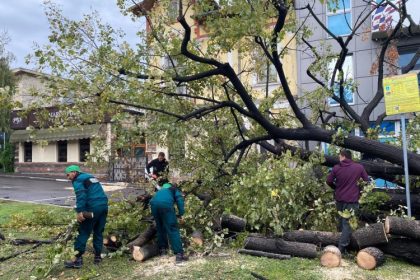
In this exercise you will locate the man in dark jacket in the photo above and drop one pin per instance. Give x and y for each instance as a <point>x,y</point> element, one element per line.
<point>90,198</point>
<point>159,166</point>
<point>163,211</point>
<point>344,179</point>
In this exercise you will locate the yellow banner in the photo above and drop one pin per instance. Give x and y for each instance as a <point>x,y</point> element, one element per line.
<point>401,94</point>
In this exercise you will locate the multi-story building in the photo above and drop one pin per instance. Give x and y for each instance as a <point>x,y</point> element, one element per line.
<point>260,77</point>
<point>361,62</point>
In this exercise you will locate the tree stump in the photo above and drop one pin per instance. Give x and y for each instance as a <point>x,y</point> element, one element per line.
<point>264,254</point>
<point>320,238</point>
<point>146,252</point>
<point>370,258</point>
<point>144,237</point>
<point>331,256</point>
<point>370,236</point>
<point>400,226</point>
<point>280,246</point>
<point>197,238</point>
<point>233,223</point>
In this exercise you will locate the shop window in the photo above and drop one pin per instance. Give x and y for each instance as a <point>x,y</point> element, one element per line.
<point>27,152</point>
<point>339,17</point>
<point>62,151</point>
<point>84,149</point>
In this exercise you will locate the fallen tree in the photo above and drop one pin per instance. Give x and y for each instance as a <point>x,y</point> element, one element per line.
<point>403,248</point>
<point>280,246</point>
<point>400,226</point>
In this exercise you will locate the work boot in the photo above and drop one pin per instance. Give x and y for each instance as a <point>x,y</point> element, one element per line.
<point>97,259</point>
<point>76,262</point>
<point>180,258</point>
<point>163,252</point>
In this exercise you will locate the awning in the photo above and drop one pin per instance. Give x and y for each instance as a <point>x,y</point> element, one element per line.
<point>56,134</point>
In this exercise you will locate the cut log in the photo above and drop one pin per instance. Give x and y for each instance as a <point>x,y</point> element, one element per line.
<point>371,235</point>
<point>233,223</point>
<point>400,226</point>
<point>145,252</point>
<point>370,258</point>
<point>331,256</point>
<point>143,238</point>
<point>264,254</point>
<point>204,197</point>
<point>197,238</point>
<point>112,242</point>
<point>280,246</point>
<point>320,238</point>
<point>403,248</point>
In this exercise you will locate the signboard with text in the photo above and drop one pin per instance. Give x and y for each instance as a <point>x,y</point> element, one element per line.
<point>402,94</point>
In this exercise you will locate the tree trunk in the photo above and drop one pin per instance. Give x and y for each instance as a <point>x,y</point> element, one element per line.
<point>145,252</point>
<point>143,238</point>
<point>233,223</point>
<point>197,238</point>
<point>370,236</point>
<point>264,254</point>
<point>400,199</point>
<point>403,248</point>
<point>279,246</point>
<point>400,226</point>
<point>331,256</point>
<point>319,238</point>
<point>370,258</point>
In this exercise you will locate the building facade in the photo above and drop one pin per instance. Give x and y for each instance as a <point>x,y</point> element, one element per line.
<point>43,150</point>
<point>360,64</point>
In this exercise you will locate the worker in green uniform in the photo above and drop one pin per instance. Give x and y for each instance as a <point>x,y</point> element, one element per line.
<point>90,197</point>
<point>163,211</point>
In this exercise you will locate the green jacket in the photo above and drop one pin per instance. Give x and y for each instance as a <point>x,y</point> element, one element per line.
<point>89,193</point>
<point>168,196</point>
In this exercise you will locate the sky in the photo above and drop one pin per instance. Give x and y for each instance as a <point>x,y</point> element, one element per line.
<point>26,23</point>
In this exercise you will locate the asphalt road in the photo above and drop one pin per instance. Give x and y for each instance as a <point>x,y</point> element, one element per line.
<point>36,190</point>
<point>50,191</point>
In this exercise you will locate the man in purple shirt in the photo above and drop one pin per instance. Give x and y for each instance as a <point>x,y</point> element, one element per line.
<point>344,179</point>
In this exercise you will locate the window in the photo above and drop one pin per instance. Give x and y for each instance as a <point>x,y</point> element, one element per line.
<point>62,151</point>
<point>406,54</point>
<point>84,149</point>
<point>27,152</point>
<point>339,17</point>
<point>173,10</point>
<point>262,74</point>
<point>348,80</point>
<point>176,65</point>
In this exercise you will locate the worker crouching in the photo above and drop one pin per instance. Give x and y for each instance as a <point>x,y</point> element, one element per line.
<point>163,211</point>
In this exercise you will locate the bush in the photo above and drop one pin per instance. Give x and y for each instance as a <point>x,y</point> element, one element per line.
<point>7,158</point>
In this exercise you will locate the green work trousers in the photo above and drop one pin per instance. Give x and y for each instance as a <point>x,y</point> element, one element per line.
<point>167,227</point>
<point>97,225</point>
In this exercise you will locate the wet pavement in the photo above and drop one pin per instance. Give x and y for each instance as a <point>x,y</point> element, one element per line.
<point>51,191</point>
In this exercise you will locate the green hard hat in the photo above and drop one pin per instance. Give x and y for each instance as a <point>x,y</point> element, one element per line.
<point>72,168</point>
